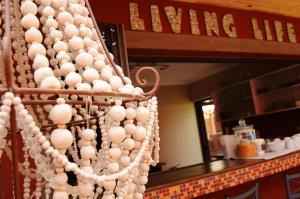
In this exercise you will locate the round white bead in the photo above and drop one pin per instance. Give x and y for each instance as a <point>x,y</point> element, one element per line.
<point>65,17</point>
<point>61,114</point>
<point>87,152</point>
<point>84,59</point>
<point>139,133</point>
<point>48,11</point>
<point>128,144</point>
<point>88,134</point>
<point>144,167</point>
<point>115,82</point>
<point>46,2</point>
<point>60,195</point>
<point>40,61</point>
<point>42,73</point>
<point>71,30</point>
<point>141,188</point>
<point>113,167</point>
<point>35,49</point>
<point>129,128</point>
<point>138,196</point>
<point>66,68</point>
<point>78,20</point>
<point>106,73</point>
<point>130,113</point>
<point>124,177</point>
<point>75,8</point>
<point>143,180</point>
<point>60,179</point>
<point>115,153</point>
<point>83,87</point>
<point>109,185</point>
<point>85,32</point>
<point>61,138</point>
<point>56,34</point>
<point>142,114</point>
<point>116,134</point>
<point>50,82</point>
<point>73,79</point>
<point>28,7</point>
<point>9,95</point>
<point>94,52</point>
<point>101,86</point>
<point>51,23</point>
<point>60,46</point>
<point>33,35</point>
<point>59,4</point>
<point>117,113</point>
<point>76,43</point>
<point>90,75</point>
<point>30,20</point>
<point>62,56</point>
<point>138,91</point>
<point>99,64</point>
<point>125,161</point>
<point>129,89</point>
<point>85,189</point>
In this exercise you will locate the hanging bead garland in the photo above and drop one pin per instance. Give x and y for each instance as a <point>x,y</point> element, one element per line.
<point>108,153</point>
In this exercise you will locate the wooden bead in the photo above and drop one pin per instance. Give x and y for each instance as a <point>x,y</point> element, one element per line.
<point>28,7</point>
<point>72,79</point>
<point>42,73</point>
<point>116,134</point>
<point>84,59</point>
<point>90,75</point>
<point>35,49</point>
<point>40,61</point>
<point>30,20</point>
<point>65,17</point>
<point>66,68</point>
<point>117,113</point>
<point>33,35</point>
<point>139,133</point>
<point>50,82</point>
<point>61,138</point>
<point>61,114</point>
<point>76,43</point>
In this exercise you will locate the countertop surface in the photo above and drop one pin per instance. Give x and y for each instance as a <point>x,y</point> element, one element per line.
<point>202,179</point>
<point>203,170</point>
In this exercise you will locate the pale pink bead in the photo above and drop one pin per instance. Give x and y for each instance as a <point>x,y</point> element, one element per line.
<point>61,138</point>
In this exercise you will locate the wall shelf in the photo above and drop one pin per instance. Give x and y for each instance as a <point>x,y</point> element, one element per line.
<point>271,93</point>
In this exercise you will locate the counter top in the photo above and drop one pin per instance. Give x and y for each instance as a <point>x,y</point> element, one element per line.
<point>186,174</point>
<point>199,180</point>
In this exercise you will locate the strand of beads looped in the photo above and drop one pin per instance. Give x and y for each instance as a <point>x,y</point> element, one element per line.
<point>56,46</point>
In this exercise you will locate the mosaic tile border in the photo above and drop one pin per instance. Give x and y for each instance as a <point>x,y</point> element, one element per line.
<point>220,181</point>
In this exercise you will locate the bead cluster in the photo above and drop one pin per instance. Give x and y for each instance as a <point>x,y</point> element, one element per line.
<point>61,139</point>
<point>56,46</point>
<point>4,120</point>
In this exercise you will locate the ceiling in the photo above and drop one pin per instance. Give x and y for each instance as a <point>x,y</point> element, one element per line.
<point>184,73</point>
<point>282,7</point>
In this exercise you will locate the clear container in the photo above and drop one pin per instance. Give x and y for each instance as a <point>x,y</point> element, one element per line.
<point>244,132</point>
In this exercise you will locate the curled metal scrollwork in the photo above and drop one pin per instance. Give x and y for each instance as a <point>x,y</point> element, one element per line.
<point>143,82</point>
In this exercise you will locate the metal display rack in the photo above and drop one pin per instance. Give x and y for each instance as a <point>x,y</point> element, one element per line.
<point>11,87</point>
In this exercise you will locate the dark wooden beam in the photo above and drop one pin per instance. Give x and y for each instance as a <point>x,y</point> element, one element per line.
<point>162,45</point>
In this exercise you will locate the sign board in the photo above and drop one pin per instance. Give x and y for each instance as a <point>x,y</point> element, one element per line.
<point>196,19</point>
